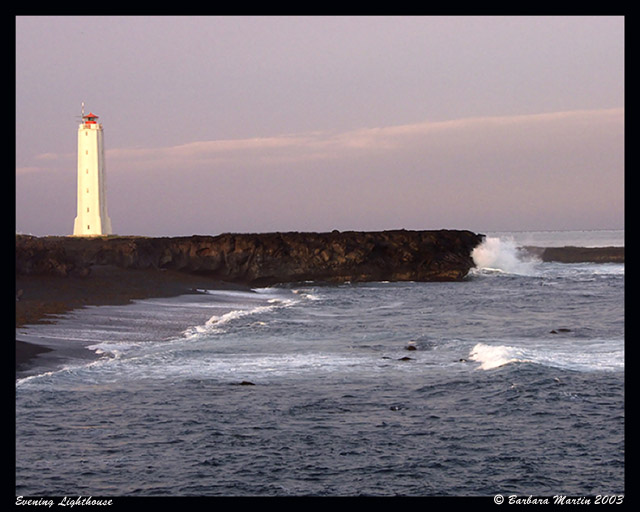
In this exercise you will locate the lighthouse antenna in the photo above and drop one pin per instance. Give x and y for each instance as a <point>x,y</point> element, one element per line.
<point>81,115</point>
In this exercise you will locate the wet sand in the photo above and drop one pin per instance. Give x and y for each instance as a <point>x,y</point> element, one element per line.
<point>40,298</point>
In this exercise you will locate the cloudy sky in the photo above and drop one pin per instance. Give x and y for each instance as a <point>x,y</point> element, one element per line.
<point>253,124</point>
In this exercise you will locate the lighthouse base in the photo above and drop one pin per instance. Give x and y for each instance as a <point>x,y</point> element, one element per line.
<point>91,227</point>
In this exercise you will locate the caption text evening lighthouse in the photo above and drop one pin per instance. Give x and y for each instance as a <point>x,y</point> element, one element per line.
<point>92,217</point>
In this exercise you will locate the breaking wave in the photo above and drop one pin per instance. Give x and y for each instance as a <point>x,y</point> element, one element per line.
<point>503,255</point>
<point>601,355</point>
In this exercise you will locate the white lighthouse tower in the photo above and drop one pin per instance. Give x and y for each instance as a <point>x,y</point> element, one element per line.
<point>92,218</point>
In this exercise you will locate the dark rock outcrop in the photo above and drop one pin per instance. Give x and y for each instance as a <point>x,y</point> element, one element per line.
<point>584,254</point>
<point>263,259</point>
<point>41,256</point>
<point>571,254</point>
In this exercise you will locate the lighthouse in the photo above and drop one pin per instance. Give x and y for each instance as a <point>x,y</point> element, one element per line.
<point>92,217</point>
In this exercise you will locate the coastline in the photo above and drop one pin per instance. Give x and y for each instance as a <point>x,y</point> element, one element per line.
<point>39,298</point>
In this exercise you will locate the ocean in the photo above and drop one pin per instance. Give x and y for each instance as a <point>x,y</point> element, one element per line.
<point>511,382</point>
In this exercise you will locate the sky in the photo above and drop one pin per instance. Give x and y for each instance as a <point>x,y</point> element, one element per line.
<point>294,123</point>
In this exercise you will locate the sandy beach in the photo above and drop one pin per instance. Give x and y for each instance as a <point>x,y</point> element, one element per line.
<point>40,298</point>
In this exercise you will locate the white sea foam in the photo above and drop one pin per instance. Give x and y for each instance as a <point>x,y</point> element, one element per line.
<point>494,356</point>
<point>217,322</point>
<point>115,348</point>
<point>233,315</point>
<point>502,255</point>
<point>597,355</point>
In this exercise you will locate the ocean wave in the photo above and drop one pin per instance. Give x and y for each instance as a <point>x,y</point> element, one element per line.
<point>494,356</point>
<point>503,256</point>
<point>218,322</point>
<point>599,357</point>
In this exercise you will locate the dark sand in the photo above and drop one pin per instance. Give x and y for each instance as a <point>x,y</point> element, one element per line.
<point>40,298</point>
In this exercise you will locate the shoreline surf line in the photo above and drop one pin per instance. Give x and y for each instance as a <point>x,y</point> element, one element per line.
<point>40,299</point>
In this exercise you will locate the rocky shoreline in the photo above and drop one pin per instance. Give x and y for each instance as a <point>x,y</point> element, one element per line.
<point>262,259</point>
<point>57,274</point>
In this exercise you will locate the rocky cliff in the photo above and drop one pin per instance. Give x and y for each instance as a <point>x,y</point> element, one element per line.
<point>263,259</point>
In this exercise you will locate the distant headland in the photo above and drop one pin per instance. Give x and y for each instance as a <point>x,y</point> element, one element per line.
<point>571,254</point>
